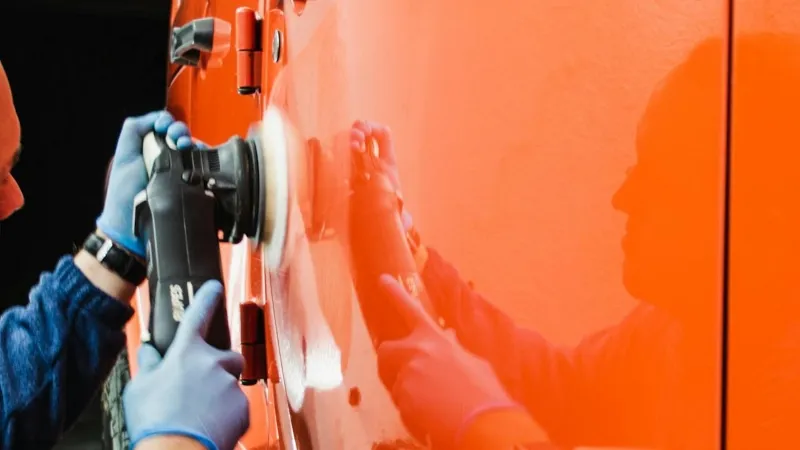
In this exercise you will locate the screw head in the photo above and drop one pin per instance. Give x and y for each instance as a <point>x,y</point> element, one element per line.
<point>354,397</point>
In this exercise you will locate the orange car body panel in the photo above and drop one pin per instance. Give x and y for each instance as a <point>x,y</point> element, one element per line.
<point>573,162</point>
<point>763,364</point>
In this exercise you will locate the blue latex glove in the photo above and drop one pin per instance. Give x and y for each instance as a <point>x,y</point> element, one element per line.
<point>194,390</point>
<point>129,177</point>
<point>439,388</point>
<point>359,133</point>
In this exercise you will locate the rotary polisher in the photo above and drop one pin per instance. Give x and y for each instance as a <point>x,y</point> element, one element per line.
<point>194,200</point>
<point>197,198</point>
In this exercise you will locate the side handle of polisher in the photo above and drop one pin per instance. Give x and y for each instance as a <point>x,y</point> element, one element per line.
<point>176,216</point>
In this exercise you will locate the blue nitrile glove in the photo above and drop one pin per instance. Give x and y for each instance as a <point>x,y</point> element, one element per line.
<point>359,132</point>
<point>128,175</point>
<point>194,390</point>
<point>439,388</point>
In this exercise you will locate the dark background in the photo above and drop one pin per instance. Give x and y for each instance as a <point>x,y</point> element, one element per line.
<point>77,68</point>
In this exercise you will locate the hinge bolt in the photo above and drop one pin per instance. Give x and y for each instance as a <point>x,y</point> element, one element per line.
<point>276,46</point>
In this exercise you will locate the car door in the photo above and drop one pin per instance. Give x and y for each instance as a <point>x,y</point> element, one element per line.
<point>569,161</point>
<point>763,369</point>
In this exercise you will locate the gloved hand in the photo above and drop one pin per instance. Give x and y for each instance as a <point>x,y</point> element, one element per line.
<point>363,130</point>
<point>129,177</point>
<point>438,387</point>
<point>194,390</point>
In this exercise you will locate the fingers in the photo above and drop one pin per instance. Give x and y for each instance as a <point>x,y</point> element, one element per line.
<point>198,315</point>
<point>358,136</point>
<point>134,129</point>
<point>187,142</point>
<point>362,129</point>
<point>147,358</point>
<point>409,308</point>
<point>393,357</point>
<point>231,361</point>
<point>138,127</point>
<point>176,131</point>
<point>183,143</point>
<point>383,135</point>
<point>163,122</point>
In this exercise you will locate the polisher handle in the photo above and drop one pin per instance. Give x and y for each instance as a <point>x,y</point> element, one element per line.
<point>379,246</point>
<point>178,221</point>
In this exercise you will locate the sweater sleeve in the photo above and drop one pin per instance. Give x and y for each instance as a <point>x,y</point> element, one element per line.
<point>601,392</point>
<point>54,355</point>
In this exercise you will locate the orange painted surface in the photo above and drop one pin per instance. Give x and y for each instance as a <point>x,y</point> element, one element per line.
<point>764,331</point>
<point>570,160</point>
<point>514,132</point>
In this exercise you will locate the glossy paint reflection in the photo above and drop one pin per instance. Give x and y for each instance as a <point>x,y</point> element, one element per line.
<point>651,376</point>
<point>764,332</point>
<point>653,380</point>
<point>597,292</point>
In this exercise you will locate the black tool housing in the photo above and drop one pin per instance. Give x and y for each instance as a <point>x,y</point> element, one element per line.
<point>194,199</point>
<point>231,172</point>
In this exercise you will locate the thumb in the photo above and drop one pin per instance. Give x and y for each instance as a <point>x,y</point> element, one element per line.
<point>198,315</point>
<point>134,129</point>
<point>409,308</point>
<point>231,361</point>
<point>147,358</point>
<point>383,136</point>
<point>394,356</point>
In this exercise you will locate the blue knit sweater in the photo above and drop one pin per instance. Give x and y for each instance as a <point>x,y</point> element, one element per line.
<point>54,355</point>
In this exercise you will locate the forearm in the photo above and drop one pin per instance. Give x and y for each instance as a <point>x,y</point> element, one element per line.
<point>559,387</point>
<point>518,356</point>
<point>169,443</point>
<point>55,353</point>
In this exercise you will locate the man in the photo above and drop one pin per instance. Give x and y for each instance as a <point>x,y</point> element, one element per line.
<point>56,351</point>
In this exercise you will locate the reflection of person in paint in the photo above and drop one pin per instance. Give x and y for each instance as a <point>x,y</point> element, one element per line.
<point>652,380</point>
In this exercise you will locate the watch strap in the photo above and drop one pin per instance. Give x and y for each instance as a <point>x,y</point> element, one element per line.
<point>115,258</point>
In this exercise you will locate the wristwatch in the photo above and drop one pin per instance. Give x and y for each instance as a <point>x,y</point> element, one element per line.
<point>115,258</point>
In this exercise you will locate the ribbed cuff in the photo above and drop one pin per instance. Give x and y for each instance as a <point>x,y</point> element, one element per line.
<point>80,293</point>
<point>206,442</point>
